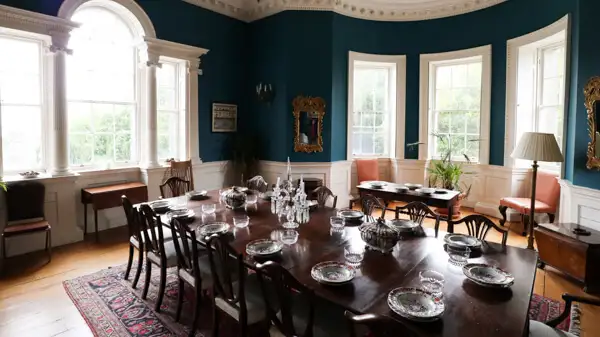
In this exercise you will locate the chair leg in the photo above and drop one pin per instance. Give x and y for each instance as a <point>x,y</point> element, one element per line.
<point>161,288</point>
<point>197,306</point>
<point>215,319</point>
<point>148,276</point>
<point>140,265</point>
<point>129,262</point>
<point>551,217</point>
<point>181,291</point>
<point>502,210</point>
<point>525,221</point>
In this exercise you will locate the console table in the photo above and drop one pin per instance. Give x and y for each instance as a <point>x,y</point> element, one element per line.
<point>574,255</point>
<point>109,196</point>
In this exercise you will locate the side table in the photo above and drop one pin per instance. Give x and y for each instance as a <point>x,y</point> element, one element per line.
<point>109,196</point>
<point>574,255</point>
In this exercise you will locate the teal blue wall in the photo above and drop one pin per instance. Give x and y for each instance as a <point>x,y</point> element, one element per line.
<point>224,67</point>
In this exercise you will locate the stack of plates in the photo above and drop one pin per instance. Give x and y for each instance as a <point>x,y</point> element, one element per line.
<point>263,247</point>
<point>413,186</point>
<point>488,276</point>
<point>425,190</point>
<point>332,273</point>
<point>403,225</point>
<point>212,228</point>
<point>181,214</point>
<point>351,215</point>
<point>415,304</point>
<point>160,206</point>
<point>462,241</point>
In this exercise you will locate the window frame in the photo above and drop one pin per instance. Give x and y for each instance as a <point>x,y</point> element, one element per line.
<point>426,76</point>
<point>46,65</point>
<point>181,93</point>
<point>397,129</point>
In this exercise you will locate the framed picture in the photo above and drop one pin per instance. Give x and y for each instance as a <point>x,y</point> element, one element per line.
<point>224,117</point>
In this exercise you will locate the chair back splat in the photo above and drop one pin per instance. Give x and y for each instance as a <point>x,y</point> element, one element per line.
<point>152,229</point>
<point>479,225</point>
<point>174,187</point>
<point>369,204</point>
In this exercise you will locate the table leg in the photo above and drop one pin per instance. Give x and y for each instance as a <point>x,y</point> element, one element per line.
<point>96,222</point>
<point>450,215</point>
<point>84,220</point>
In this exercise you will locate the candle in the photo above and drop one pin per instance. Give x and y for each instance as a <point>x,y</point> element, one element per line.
<point>278,181</point>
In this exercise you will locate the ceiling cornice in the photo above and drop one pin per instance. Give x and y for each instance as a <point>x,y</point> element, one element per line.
<point>251,10</point>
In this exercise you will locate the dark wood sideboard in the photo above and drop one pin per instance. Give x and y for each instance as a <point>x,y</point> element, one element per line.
<point>575,255</point>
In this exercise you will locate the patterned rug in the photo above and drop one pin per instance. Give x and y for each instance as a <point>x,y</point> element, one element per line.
<point>112,308</point>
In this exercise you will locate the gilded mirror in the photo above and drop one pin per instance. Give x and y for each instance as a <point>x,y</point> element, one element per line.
<point>308,123</point>
<point>592,104</point>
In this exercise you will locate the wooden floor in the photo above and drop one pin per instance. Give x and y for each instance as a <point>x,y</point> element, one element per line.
<point>34,303</point>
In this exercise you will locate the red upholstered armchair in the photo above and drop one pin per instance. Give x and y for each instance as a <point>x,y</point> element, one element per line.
<point>547,194</point>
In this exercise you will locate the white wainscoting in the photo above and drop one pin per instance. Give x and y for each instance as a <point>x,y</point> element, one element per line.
<point>579,205</point>
<point>64,210</point>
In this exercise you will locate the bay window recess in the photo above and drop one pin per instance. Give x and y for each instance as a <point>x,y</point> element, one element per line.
<point>455,105</point>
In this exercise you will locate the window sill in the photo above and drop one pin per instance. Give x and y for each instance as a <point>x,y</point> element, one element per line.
<point>116,170</point>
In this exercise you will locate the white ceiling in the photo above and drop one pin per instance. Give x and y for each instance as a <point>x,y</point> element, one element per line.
<point>380,10</point>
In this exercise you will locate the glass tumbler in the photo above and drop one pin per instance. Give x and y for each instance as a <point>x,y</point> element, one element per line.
<point>241,221</point>
<point>432,281</point>
<point>459,256</point>
<point>354,254</point>
<point>337,223</point>
<point>209,208</point>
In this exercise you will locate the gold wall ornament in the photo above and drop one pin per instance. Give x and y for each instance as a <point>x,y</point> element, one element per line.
<point>308,123</point>
<point>592,105</point>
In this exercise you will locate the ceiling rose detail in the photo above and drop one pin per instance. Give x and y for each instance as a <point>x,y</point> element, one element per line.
<point>379,10</point>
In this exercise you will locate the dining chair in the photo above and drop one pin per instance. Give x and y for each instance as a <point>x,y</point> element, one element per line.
<point>548,329</point>
<point>417,212</point>
<point>158,252</point>
<point>193,268</point>
<point>375,326</point>
<point>25,213</point>
<point>293,309</point>
<point>174,187</point>
<point>180,169</point>
<point>369,204</point>
<point>478,226</point>
<point>234,292</point>
<point>366,170</point>
<point>322,195</point>
<point>136,240</point>
<point>257,183</point>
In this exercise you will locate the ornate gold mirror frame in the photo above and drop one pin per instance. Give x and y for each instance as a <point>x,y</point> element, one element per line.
<point>592,104</point>
<point>308,124</point>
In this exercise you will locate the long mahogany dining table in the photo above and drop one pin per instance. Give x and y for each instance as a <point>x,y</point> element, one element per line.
<point>471,310</point>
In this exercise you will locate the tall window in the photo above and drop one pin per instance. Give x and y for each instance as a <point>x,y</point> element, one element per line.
<point>541,90</point>
<point>101,78</point>
<point>22,103</point>
<point>373,104</point>
<point>171,109</point>
<point>455,105</point>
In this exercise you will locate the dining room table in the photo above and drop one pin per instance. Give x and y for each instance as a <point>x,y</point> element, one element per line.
<point>470,309</point>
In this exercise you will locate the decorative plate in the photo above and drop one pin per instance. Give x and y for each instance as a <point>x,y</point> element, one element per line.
<point>181,213</point>
<point>160,205</point>
<point>263,247</point>
<point>462,240</point>
<point>403,225</point>
<point>377,184</point>
<point>415,304</point>
<point>197,195</point>
<point>413,186</point>
<point>351,215</point>
<point>29,174</point>
<point>212,228</point>
<point>425,190</point>
<point>489,275</point>
<point>332,273</point>
<point>401,188</point>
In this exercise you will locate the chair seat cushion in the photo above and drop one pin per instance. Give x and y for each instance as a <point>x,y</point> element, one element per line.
<point>539,329</point>
<point>205,274</point>
<point>523,205</point>
<point>24,228</point>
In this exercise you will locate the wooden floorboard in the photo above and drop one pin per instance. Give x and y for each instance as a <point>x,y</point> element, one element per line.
<point>33,301</point>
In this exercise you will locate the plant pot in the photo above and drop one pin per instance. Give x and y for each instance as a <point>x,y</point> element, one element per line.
<point>455,209</point>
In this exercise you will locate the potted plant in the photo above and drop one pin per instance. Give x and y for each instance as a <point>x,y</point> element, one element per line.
<point>446,173</point>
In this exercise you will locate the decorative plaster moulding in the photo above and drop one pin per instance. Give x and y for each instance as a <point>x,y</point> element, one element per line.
<point>378,10</point>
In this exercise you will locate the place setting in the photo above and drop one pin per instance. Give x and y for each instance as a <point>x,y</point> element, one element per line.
<point>424,304</point>
<point>264,249</point>
<point>461,247</point>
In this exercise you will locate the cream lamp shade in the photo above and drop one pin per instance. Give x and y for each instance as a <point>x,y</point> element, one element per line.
<point>538,146</point>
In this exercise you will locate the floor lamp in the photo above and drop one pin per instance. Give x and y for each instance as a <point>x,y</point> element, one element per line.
<point>537,147</point>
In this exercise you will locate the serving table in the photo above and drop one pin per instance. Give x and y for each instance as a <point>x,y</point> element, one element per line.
<point>390,192</point>
<point>471,310</point>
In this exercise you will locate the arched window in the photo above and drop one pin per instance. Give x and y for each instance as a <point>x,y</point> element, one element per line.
<point>103,86</point>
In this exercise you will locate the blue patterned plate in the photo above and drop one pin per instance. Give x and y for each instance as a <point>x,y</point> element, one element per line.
<point>263,247</point>
<point>415,304</point>
<point>487,275</point>
<point>332,273</point>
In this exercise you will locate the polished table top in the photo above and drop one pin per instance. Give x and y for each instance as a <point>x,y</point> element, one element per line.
<point>471,310</point>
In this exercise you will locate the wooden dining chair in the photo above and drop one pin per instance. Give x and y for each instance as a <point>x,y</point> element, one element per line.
<point>158,252</point>
<point>418,211</point>
<point>322,195</point>
<point>193,268</point>
<point>293,308</point>
<point>234,292</point>
<point>478,226</point>
<point>25,213</point>
<point>375,326</point>
<point>181,169</point>
<point>548,329</point>
<point>369,204</point>
<point>174,187</point>
<point>257,183</point>
<point>136,240</point>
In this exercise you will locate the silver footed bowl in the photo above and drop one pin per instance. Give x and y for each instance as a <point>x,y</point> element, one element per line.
<point>487,275</point>
<point>416,304</point>
<point>379,235</point>
<point>332,273</point>
<point>235,197</point>
<point>263,247</point>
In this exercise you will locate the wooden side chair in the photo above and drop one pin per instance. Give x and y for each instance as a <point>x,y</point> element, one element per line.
<point>322,195</point>
<point>478,226</point>
<point>174,187</point>
<point>234,292</point>
<point>369,204</point>
<point>257,183</point>
<point>193,268</point>
<point>136,240</point>
<point>366,170</point>
<point>548,329</point>
<point>293,308</point>
<point>375,326</point>
<point>547,194</point>
<point>180,169</point>
<point>25,213</point>
<point>417,212</point>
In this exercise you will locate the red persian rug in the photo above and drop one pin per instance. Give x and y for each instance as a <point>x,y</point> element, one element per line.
<point>112,308</point>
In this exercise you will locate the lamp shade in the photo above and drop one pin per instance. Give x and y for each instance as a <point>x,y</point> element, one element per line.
<point>538,146</point>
